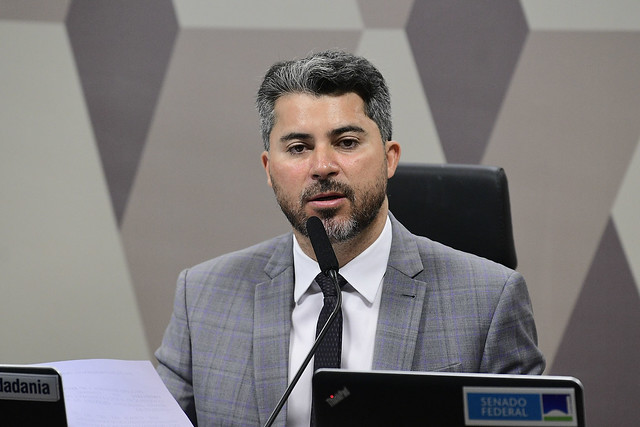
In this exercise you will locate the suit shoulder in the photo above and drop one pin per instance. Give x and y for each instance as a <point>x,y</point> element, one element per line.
<point>467,278</point>
<point>440,253</point>
<point>418,255</point>
<point>441,264</point>
<point>246,263</point>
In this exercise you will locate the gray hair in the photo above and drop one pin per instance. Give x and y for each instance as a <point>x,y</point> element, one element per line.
<point>330,72</point>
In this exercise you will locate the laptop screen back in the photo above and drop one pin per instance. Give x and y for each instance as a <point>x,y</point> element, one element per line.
<point>384,398</point>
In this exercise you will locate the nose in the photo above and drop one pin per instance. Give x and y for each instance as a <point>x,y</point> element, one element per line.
<point>323,163</point>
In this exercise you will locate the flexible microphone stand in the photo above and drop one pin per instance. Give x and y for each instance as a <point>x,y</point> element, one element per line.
<point>334,276</point>
<point>329,266</point>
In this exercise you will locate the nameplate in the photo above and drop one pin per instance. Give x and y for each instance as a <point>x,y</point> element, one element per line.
<point>34,387</point>
<point>495,406</point>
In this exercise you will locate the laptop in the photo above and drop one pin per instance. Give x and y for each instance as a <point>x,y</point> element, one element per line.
<point>393,398</point>
<point>31,396</point>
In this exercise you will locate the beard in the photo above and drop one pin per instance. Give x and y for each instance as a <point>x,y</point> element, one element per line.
<point>365,207</point>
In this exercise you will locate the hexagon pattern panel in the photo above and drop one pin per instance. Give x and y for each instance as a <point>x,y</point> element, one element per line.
<point>131,151</point>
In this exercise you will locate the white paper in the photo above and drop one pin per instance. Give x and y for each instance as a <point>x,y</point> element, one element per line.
<point>116,393</point>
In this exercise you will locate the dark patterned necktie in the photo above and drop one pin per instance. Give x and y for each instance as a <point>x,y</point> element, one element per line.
<point>329,351</point>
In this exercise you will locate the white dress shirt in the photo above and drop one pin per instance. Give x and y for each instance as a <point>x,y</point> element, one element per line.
<point>360,306</point>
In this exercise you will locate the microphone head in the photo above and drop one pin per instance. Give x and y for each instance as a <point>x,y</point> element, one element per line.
<point>321,245</point>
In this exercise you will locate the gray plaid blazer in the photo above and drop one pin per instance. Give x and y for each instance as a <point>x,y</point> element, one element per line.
<point>225,352</point>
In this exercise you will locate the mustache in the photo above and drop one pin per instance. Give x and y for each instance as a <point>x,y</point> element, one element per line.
<point>326,186</point>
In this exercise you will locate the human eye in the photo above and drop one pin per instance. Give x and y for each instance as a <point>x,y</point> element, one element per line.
<point>296,148</point>
<point>348,143</point>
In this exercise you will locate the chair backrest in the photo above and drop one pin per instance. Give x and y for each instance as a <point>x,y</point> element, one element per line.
<point>463,206</point>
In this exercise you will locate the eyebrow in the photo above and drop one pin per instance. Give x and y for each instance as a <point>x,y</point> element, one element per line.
<point>332,133</point>
<point>295,135</point>
<point>345,129</point>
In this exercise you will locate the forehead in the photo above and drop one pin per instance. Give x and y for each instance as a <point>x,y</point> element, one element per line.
<point>299,108</point>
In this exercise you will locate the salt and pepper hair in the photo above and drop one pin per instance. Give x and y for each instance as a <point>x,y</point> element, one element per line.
<point>332,73</point>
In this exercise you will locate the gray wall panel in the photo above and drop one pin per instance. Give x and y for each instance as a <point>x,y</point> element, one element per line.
<point>550,93</point>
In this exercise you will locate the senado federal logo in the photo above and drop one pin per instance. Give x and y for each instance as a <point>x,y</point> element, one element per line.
<point>519,406</point>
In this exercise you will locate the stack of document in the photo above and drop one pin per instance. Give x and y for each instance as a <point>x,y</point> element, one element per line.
<point>116,393</point>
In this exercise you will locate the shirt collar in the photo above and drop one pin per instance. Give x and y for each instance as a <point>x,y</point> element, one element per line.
<point>364,273</point>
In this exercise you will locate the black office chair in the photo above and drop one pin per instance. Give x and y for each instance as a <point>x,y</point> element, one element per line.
<point>463,206</point>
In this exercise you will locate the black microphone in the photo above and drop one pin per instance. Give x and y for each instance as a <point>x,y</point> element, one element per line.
<point>321,245</point>
<point>329,266</point>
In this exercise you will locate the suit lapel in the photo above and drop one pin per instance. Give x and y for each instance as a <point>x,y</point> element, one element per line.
<point>401,304</point>
<point>272,325</point>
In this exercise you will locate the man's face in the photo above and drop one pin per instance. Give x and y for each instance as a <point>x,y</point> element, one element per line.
<point>327,159</point>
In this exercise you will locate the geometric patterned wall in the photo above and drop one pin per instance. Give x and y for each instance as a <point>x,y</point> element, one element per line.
<point>130,150</point>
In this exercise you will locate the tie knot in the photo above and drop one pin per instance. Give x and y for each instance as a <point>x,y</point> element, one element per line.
<point>326,284</point>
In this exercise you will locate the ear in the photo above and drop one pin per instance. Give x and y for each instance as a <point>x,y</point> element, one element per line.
<point>264,157</point>
<point>392,151</point>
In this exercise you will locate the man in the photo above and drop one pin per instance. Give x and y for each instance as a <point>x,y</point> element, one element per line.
<point>243,322</point>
